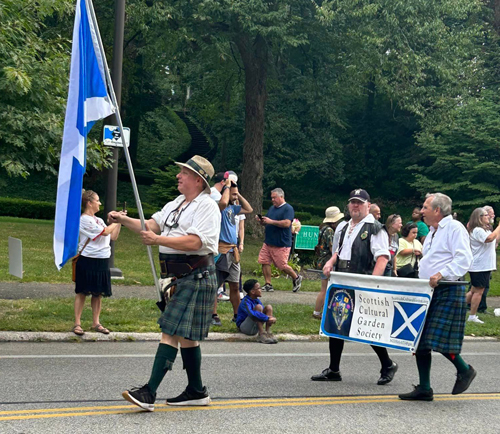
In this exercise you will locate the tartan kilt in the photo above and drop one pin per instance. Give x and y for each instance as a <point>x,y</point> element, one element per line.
<point>445,323</point>
<point>189,312</point>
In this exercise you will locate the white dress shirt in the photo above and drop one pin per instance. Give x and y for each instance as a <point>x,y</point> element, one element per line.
<point>484,254</point>
<point>379,243</point>
<point>200,217</point>
<point>446,250</point>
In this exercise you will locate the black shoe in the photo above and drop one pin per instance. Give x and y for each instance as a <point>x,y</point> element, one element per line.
<point>191,397</point>
<point>327,375</point>
<point>387,374</point>
<point>141,396</point>
<point>464,380</point>
<point>418,394</point>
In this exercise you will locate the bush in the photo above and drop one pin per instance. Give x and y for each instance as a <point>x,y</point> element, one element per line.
<point>31,209</point>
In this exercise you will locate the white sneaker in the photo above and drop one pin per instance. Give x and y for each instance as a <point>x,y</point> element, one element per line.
<point>242,296</point>
<point>222,296</point>
<point>474,318</point>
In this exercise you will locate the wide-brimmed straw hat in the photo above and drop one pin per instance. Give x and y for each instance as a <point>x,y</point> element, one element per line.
<point>333,215</point>
<point>202,167</point>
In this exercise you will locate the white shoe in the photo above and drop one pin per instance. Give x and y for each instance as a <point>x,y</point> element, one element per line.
<point>242,296</point>
<point>222,296</point>
<point>474,318</point>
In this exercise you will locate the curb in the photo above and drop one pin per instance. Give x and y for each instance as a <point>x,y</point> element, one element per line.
<point>155,337</point>
<point>137,337</point>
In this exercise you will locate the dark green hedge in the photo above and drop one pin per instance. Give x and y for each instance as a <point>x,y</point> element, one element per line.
<point>34,209</point>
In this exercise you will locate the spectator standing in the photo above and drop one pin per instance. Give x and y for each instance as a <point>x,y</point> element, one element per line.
<point>375,211</point>
<point>228,262</point>
<point>409,252</point>
<point>483,304</point>
<point>392,227</point>
<point>253,316</point>
<point>333,217</point>
<point>92,269</point>
<point>482,243</point>
<point>278,240</point>
<point>423,229</point>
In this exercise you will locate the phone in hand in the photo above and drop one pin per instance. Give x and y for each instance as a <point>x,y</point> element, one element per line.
<point>260,216</point>
<point>124,206</point>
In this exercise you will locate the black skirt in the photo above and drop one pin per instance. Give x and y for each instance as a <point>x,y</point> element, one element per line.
<point>93,277</point>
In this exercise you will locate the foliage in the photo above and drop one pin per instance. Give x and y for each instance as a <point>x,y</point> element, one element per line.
<point>27,208</point>
<point>162,137</point>
<point>164,188</point>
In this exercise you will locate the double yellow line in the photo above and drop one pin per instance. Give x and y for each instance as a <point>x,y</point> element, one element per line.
<point>47,413</point>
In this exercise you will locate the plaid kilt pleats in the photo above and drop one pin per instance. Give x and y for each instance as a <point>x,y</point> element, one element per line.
<point>445,323</point>
<point>189,312</point>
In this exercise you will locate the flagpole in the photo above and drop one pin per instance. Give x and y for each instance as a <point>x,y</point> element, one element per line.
<point>125,148</point>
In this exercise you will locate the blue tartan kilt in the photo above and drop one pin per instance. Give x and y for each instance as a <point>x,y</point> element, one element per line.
<point>189,312</point>
<point>445,323</point>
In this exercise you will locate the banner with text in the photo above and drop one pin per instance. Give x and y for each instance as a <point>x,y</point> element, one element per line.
<point>385,311</point>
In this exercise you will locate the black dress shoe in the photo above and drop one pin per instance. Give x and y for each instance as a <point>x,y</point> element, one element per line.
<point>418,394</point>
<point>464,380</point>
<point>387,374</point>
<point>327,375</point>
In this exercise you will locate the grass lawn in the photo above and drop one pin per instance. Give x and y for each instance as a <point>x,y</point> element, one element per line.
<point>130,256</point>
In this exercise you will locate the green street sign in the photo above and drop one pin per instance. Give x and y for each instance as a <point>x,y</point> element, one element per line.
<point>307,238</point>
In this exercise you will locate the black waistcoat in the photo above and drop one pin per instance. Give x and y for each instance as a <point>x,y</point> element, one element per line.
<point>361,255</point>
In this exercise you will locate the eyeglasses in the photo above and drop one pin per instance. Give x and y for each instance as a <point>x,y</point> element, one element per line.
<point>176,215</point>
<point>484,215</point>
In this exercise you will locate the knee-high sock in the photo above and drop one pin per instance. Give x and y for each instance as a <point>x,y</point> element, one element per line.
<point>336,348</point>
<point>164,359</point>
<point>424,360</point>
<point>458,362</point>
<point>191,358</point>
<point>383,356</point>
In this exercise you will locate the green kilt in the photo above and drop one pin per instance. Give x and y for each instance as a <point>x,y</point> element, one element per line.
<point>445,323</point>
<point>189,312</point>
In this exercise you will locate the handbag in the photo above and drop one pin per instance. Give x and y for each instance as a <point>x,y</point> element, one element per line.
<point>409,270</point>
<point>74,260</point>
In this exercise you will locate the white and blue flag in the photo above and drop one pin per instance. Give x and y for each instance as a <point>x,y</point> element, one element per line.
<point>88,101</point>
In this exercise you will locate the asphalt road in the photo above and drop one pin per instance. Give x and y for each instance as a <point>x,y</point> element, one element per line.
<point>76,387</point>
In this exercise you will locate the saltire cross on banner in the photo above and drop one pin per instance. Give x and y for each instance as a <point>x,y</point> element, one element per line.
<point>376,310</point>
<point>88,101</point>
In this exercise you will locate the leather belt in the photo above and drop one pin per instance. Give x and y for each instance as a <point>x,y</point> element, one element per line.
<point>182,265</point>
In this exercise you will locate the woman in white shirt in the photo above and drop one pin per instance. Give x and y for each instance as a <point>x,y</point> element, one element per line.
<point>482,243</point>
<point>92,269</point>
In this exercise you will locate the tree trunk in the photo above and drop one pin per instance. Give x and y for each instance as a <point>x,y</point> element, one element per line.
<point>254,54</point>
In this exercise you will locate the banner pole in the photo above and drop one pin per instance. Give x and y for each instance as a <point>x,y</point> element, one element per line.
<point>125,148</point>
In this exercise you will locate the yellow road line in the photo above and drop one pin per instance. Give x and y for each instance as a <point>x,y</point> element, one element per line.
<point>224,405</point>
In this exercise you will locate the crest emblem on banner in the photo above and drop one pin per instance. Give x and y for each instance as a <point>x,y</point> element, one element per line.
<point>341,307</point>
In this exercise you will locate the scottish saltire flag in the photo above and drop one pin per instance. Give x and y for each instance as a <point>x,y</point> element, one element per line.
<point>88,101</point>
<point>376,310</point>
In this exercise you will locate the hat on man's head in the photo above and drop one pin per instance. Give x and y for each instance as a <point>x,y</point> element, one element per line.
<point>232,176</point>
<point>333,215</point>
<point>359,194</point>
<point>202,167</point>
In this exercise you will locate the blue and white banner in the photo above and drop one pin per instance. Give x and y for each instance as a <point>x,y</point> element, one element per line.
<point>385,311</point>
<point>88,101</point>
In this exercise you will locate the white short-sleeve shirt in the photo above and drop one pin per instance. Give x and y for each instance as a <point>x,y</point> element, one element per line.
<point>199,217</point>
<point>483,254</point>
<point>92,227</point>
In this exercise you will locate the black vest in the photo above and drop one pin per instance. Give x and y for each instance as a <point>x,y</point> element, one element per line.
<point>361,255</point>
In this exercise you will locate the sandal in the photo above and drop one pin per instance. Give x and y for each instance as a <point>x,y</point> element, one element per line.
<point>77,330</point>
<point>100,329</point>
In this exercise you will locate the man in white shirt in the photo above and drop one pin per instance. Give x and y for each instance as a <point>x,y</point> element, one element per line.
<point>446,256</point>
<point>363,249</point>
<point>187,233</point>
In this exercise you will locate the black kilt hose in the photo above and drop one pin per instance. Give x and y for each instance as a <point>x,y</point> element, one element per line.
<point>93,276</point>
<point>445,323</point>
<point>189,312</point>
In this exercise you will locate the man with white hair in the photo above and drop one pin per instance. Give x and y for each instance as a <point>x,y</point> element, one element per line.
<point>446,256</point>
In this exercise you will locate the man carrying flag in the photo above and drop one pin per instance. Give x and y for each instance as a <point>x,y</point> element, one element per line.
<point>88,101</point>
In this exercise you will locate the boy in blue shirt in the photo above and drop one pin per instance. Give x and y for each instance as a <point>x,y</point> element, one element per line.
<point>252,315</point>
